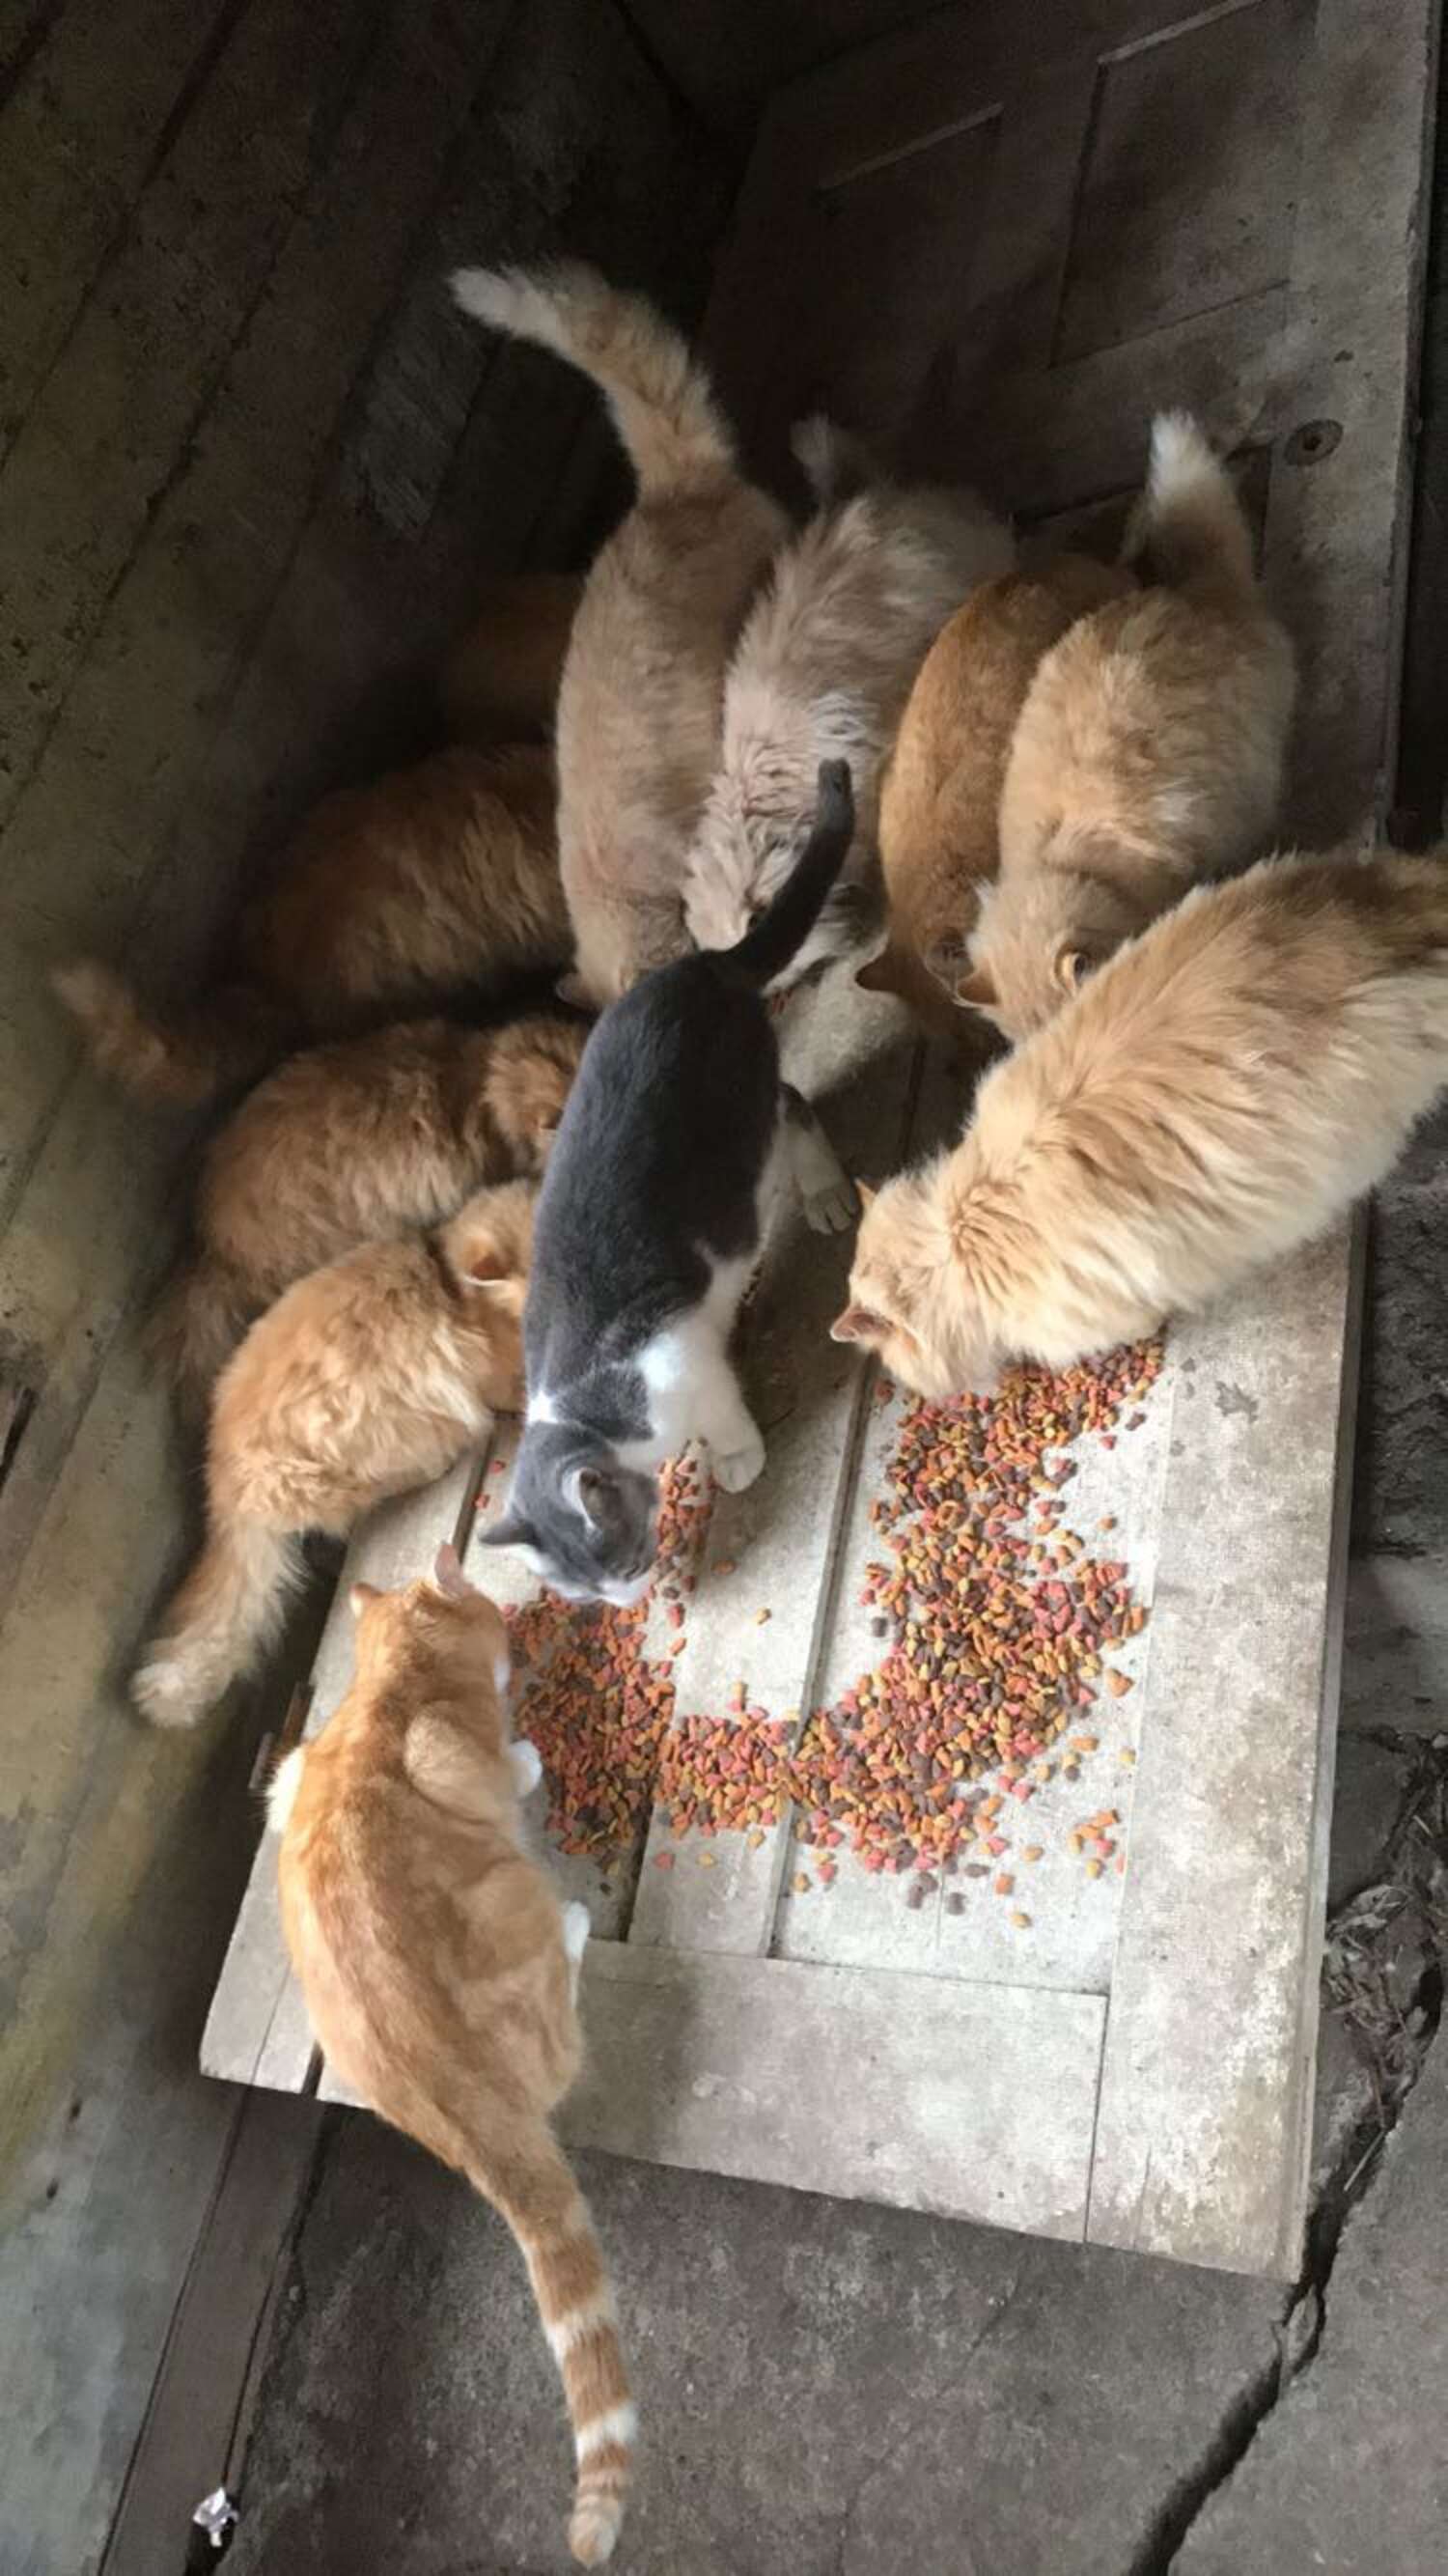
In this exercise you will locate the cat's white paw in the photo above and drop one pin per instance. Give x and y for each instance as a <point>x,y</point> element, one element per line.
<point>833,1209</point>
<point>576,1929</point>
<point>527,1765</point>
<point>738,1468</point>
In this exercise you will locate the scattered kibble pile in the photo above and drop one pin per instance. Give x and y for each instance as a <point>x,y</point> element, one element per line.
<point>596,1706</point>
<point>1002,1620</point>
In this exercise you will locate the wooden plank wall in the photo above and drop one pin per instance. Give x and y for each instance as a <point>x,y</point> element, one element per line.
<point>251,466</point>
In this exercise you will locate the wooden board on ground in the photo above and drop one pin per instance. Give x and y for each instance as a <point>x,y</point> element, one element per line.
<point>1007,257</point>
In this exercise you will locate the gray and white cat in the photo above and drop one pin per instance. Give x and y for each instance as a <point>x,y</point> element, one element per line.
<point>676,1142</point>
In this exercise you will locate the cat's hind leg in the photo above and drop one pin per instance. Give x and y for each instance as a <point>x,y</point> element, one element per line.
<point>823,1183</point>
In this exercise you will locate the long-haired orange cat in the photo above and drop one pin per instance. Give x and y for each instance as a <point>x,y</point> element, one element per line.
<point>440,1968</point>
<point>435,879</point>
<point>365,1380</point>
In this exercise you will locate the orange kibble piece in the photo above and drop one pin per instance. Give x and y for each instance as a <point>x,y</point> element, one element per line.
<point>1003,1882</point>
<point>1033,1851</point>
<point>1022,1922</point>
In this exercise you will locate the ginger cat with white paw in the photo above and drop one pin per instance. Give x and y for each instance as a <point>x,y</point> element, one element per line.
<point>440,1968</point>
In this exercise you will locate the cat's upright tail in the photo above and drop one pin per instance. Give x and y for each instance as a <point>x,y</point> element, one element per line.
<point>533,2187</point>
<point>1189,530</point>
<point>223,1618</point>
<point>184,1059</point>
<point>785,924</point>
<point>660,396</point>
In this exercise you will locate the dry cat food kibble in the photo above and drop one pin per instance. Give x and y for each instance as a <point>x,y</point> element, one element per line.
<point>595,1705</point>
<point>999,1645</point>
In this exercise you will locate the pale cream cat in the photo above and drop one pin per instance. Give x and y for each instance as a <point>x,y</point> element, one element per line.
<point>641,699</point>
<point>1217,1095</point>
<point>440,1969</point>
<point>822,671</point>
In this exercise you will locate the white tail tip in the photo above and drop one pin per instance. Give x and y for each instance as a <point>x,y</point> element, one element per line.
<point>281,1792</point>
<point>489,294</point>
<point>1181,453</point>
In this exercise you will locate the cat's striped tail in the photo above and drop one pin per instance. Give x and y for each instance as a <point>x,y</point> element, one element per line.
<point>786,922</point>
<point>534,2189</point>
<point>661,399</point>
<point>179,1058</point>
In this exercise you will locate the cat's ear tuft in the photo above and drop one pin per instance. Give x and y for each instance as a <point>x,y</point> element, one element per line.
<point>448,1575</point>
<point>360,1595</point>
<point>511,1529</point>
<point>859,1324</point>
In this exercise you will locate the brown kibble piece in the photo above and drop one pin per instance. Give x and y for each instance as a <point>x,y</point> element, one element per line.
<point>1118,1683</point>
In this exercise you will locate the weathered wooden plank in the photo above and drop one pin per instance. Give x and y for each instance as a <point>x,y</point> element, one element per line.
<point>107,432</point>
<point>975,2102</point>
<point>854,1057</point>
<point>76,138</point>
<point>132,769</point>
<point>188,2443</point>
<point>1206,2083</point>
<point>257,2030</point>
<point>124,1853</point>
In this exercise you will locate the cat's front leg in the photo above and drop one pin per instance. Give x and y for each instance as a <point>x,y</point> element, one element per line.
<point>576,1929</point>
<point>820,1177</point>
<point>527,1765</point>
<point>723,1419</point>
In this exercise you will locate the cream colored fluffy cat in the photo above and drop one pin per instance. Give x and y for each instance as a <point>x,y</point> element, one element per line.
<point>1148,754</point>
<point>440,1969</point>
<point>640,702</point>
<point>365,1380</point>
<point>821,672</point>
<point>1221,1091</point>
<point>345,1144</point>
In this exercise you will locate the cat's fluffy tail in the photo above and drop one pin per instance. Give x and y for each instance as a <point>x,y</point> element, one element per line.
<point>202,1314</point>
<point>660,397</point>
<point>226,1614</point>
<point>534,2189</point>
<point>183,1060</point>
<point>1189,530</point>
<point>783,927</point>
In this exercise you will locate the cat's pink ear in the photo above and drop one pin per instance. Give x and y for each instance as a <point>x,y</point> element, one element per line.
<point>878,974</point>
<point>858,1324</point>
<point>975,991</point>
<point>867,1196</point>
<point>360,1595</point>
<point>448,1575</point>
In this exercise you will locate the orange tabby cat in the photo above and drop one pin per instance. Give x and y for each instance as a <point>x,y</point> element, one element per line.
<point>440,1969</point>
<point>1217,1095</point>
<point>940,802</point>
<point>1148,754</point>
<point>365,1380</point>
<point>434,878</point>
<point>348,1143</point>
<point>500,682</point>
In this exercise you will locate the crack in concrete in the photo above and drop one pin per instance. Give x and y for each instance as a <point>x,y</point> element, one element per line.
<point>1395,2037</point>
<point>879,2468</point>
